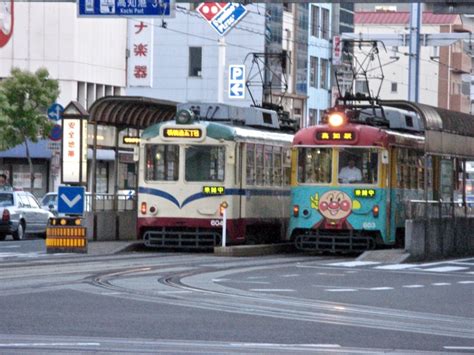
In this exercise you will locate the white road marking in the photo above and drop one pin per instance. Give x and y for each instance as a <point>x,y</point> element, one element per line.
<point>9,246</point>
<point>396,266</point>
<point>380,288</point>
<point>272,290</point>
<point>355,263</point>
<point>256,277</point>
<point>219,280</point>
<point>446,269</point>
<point>465,282</point>
<point>413,286</point>
<point>341,290</point>
<point>459,347</point>
<point>5,345</point>
<point>291,275</point>
<point>441,284</point>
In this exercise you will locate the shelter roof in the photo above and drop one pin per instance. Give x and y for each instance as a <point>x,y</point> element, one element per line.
<point>131,111</point>
<point>446,132</point>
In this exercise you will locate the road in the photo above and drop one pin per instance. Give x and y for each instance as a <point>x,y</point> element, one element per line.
<point>200,303</point>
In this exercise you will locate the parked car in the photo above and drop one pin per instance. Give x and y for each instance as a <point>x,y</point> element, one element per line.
<point>21,214</point>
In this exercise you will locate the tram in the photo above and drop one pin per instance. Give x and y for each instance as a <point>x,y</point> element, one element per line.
<point>352,176</point>
<point>213,156</point>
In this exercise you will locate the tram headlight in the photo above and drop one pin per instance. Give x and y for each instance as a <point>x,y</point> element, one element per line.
<point>296,210</point>
<point>375,211</point>
<point>337,119</point>
<point>143,208</point>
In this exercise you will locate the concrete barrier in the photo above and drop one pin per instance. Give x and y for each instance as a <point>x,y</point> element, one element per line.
<point>438,238</point>
<point>111,225</point>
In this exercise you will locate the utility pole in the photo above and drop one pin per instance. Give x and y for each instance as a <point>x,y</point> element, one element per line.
<point>414,52</point>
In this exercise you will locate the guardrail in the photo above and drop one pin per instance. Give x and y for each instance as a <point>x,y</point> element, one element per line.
<point>421,209</point>
<point>111,202</point>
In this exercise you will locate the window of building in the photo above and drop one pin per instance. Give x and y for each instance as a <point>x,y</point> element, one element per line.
<point>313,70</point>
<point>162,162</point>
<point>286,62</point>
<point>361,87</point>
<point>394,87</point>
<point>313,116</point>
<point>195,61</point>
<point>325,24</point>
<point>324,73</point>
<point>287,7</point>
<point>315,21</point>
<point>205,163</point>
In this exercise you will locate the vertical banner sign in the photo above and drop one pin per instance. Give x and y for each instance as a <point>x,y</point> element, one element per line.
<point>6,21</point>
<point>336,50</point>
<point>71,151</point>
<point>140,46</point>
<point>236,81</point>
<point>74,145</point>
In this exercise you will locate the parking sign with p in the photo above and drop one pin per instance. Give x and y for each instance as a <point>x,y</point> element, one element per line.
<point>236,81</point>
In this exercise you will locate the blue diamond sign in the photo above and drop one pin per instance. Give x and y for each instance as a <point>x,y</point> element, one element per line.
<point>71,199</point>
<point>222,16</point>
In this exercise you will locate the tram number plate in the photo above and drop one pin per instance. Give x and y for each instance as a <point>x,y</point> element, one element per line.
<point>368,225</point>
<point>216,222</point>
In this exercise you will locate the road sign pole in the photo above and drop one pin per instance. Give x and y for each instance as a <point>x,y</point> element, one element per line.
<point>221,70</point>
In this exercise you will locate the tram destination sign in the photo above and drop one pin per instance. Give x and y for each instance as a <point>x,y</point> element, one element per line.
<point>120,8</point>
<point>344,136</point>
<point>179,132</point>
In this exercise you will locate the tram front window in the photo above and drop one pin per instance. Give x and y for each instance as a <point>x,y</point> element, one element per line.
<point>205,163</point>
<point>358,165</point>
<point>162,162</point>
<point>314,165</point>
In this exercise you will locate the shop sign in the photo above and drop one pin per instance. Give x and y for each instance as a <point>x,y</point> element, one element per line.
<point>140,46</point>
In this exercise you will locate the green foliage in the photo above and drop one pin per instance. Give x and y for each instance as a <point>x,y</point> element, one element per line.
<point>24,100</point>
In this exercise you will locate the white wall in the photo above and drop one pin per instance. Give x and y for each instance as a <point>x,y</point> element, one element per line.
<point>398,70</point>
<point>171,57</point>
<point>49,34</point>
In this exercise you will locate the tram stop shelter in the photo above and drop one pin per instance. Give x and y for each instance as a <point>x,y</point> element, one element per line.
<point>443,226</point>
<point>121,112</point>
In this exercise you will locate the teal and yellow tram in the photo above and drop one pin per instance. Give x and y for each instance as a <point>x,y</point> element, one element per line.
<point>351,179</point>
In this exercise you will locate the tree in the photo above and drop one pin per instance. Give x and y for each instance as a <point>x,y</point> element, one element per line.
<point>24,100</point>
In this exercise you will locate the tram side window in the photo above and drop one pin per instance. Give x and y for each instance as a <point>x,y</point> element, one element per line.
<point>268,165</point>
<point>277,166</point>
<point>259,163</point>
<point>410,169</point>
<point>162,162</point>
<point>358,165</point>
<point>250,164</point>
<point>205,163</point>
<point>314,165</point>
<point>286,166</point>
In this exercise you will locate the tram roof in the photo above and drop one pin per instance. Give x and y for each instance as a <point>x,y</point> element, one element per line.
<point>446,132</point>
<point>227,132</point>
<point>131,111</point>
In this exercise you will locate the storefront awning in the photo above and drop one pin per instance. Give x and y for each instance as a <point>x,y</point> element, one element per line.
<point>131,111</point>
<point>38,150</point>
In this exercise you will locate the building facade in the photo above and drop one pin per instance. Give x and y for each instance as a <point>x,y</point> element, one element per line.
<point>86,55</point>
<point>443,70</point>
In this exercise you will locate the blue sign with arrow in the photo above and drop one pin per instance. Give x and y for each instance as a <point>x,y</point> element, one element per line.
<point>71,199</point>
<point>117,8</point>
<point>55,112</point>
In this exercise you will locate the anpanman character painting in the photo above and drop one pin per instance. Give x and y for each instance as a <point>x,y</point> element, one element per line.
<point>335,206</point>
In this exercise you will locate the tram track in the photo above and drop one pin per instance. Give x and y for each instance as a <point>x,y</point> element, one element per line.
<point>196,287</point>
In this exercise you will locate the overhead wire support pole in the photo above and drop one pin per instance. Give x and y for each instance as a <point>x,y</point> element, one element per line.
<point>414,53</point>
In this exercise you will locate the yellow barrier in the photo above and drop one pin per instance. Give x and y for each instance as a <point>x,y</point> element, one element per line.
<point>66,235</point>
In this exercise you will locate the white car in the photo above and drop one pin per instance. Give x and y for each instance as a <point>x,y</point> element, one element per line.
<point>21,214</point>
